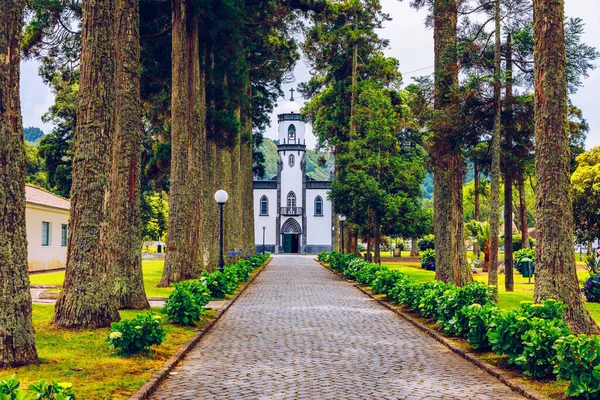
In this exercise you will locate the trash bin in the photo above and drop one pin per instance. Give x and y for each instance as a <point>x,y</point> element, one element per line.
<point>397,252</point>
<point>526,267</point>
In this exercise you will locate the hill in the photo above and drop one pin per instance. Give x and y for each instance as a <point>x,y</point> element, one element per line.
<point>32,135</point>
<point>313,168</point>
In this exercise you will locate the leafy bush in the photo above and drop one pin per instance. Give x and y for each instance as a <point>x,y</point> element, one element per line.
<point>323,257</point>
<point>479,318</point>
<point>131,336</point>
<point>451,303</point>
<point>517,239</point>
<point>428,259</point>
<point>386,280</point>
<point>506,330</point>
<point>426,243</point>
<point>521,254</point>
<point>220,283</point>
<point>538,356</point>
<point>578,360</point>
<point>430,298</point>
<point>352,268</point>
<point>591,289</point>
<point>592,263</point>
<point>54,390</point>
<point>367,274</point>
<point>183,307</point>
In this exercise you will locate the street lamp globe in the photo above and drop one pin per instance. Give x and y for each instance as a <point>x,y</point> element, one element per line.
<point>264,227</point>
<point>342,217</point>
<point>221,196</point>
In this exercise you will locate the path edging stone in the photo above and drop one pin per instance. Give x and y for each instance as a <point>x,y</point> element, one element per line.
<point>492,370</point>
<point>158,376</point>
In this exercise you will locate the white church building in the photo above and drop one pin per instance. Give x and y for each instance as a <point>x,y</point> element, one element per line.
<point>291,211</point>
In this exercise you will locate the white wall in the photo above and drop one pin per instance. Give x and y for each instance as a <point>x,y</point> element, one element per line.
<point>269,220</point>
<point>283,131</point>
<point>41,257</point>
<point>319,228</point>
<point>291,178</point>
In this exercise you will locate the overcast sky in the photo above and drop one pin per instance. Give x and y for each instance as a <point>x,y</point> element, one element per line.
<point>411,43</point>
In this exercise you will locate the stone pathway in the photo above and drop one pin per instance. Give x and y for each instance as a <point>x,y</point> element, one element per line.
<point>300,332</point>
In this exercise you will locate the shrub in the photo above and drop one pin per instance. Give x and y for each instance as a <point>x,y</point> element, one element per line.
<point>520,254</point>
<point>578,360</point>
<point>451,303</point>
<point>426,243</point>
<point>352,268</point>
<point>430,297</point>
<point>367,274</point>
<point>591,289</point>
<point>181,307</point>
<point>323,257</point>
<point>539,356</point>
<point>516,241</point>
<point>428,259</point>
<point>220,283</point>
<point>197,289</point>
<point>479,318</point>
<point>386,280</point>
<point>243,269</point>
<point>506,330</point>
<point>131,336</point>
<point>54,390</point>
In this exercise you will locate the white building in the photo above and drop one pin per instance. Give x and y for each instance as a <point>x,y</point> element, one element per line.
<point>47,219</point>
<point>291,211</point>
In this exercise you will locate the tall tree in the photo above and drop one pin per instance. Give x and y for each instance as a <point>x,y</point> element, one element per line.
<point>585,183</point>
<point>556,275</point>
<point>87,300</point>
<point>125,233</point>
<point>449,166</point>
<point>508,171</point>
<point>17,340</point>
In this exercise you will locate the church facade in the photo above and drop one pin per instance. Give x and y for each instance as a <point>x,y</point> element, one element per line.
<point>291,211</point>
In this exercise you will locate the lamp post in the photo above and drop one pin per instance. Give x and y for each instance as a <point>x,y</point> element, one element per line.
<point>221,197</point>
<point>342,218</point>
<point>263,248</point>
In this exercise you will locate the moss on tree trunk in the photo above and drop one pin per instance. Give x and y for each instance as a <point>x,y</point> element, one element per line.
<point>125,232</point>
<point>555,271</point>
<point>87,299</point>
<point>17,339</point>
<point>509,284</point>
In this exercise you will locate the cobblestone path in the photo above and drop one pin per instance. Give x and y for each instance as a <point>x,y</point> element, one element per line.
<point>299,332</point>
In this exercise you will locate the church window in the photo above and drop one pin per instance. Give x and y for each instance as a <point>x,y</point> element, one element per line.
<point>318,206</point>
<point>264,205</point>
<point>291,199</point>
<point>292,161</point>
<point>291,133</point>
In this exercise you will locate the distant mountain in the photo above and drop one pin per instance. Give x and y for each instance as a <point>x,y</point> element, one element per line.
<point>313,167</point>
<point>427,185</point>
<point>32,135</point>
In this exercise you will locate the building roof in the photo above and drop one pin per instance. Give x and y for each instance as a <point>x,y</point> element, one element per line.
<point>41,197</point>
<point>291,107</point>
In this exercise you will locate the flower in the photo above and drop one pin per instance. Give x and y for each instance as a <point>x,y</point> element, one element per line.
<point>138,327</point>
<point>66,385</point>
<point>157,317</point>
<point>115,335</point>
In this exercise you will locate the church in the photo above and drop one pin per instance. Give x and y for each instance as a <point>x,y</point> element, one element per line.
<point>291,211</point>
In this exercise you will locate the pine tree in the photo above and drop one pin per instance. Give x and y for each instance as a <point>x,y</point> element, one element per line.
<point>87,300</point>
<point>17,340</point>
<point>556,275</point>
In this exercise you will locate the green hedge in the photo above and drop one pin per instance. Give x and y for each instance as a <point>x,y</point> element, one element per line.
<point>534,337</point>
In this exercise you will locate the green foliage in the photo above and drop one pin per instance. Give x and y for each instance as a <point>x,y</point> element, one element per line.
<point>523,253</point>
<point>131,336</point>
<point>480,318</point>
<point>323,257</point>
<point>517,240</point>
<point>184,305</point>
<point>539,356</point>
<point>386,280</point>
<point>592,263</point>
<point>9,389</point>
<point>585,185</point>
<point>428,259</point>
<point>578,360</point>
<point>43,390</point>
<point>32,134</point>
<point>367,274</point>
<point>453,321</point>
<point>220,283</point>
<point>506,330</point>
<point>35,172</point>
<point>154,215</point>
<point>430,298</point>
<point>426,243</point>
<point>591,288</point>
<point>315,168</point>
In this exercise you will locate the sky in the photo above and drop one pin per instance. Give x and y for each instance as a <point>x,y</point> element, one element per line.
<point>410,42</point>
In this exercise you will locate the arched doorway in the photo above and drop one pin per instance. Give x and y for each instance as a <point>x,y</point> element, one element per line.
<point>291,231</point>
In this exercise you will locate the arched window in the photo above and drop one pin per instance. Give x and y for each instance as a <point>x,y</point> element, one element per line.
<point>291,133</point>
<point>291,199</point>
<point>264,205</point>
<point>291,160</point>
<point>318,206</point>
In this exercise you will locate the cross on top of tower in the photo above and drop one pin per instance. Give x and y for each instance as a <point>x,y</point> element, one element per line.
<point>292,96</point>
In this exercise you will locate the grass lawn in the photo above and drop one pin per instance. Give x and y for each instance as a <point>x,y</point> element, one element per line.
<point>152,270</point>
<point>85,359</point>
<point>506,300</point>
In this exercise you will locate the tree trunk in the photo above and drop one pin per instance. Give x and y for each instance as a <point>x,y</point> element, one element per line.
<point>87,299</point>
<point>188,121</point>
<point>17,339</point>
<point>495,170</point>
<point>509,284</point>
<point>476,200</point>
<point>377,232</point>
<point>451,258</point>
<point>523,212</point>
<point>414,249</point>
<point>125,233</point>
<point>555,271</point>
